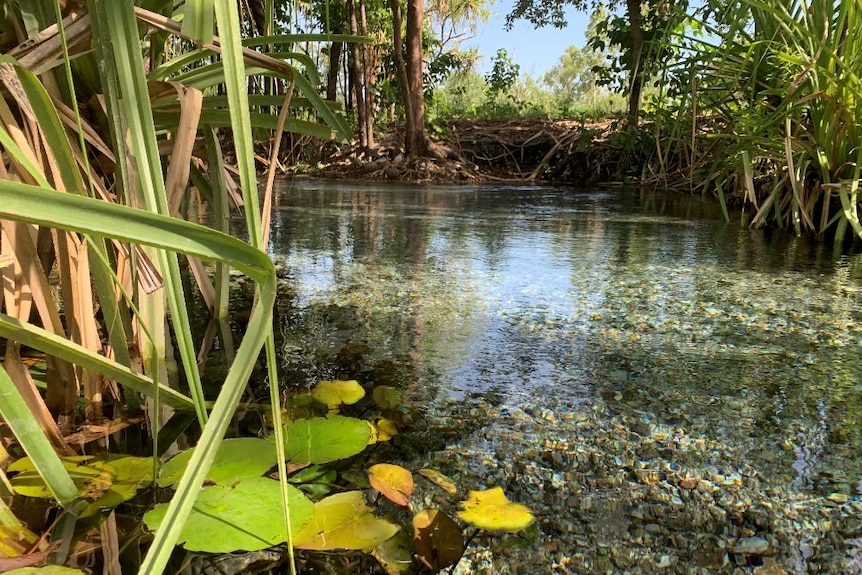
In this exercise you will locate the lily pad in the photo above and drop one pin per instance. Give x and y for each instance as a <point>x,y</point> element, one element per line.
<point>395,554</point>
<point>387,397</point>
<point>489,509</point>
<point>393,481</point>
<point>382,430</point>
<point>46,570</point>
<point>335,393</point>
<point>235,459</point>
<point>343,521</point>
<point>437,539</point>
<point>325,439</point>
<point>244,516</point>
<point>439,480</point>
<point>88,474</point>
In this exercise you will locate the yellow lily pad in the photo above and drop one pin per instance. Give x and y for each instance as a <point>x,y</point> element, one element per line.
<point>382,430</point>
<point>335,393</point>
<point>489,509</point>
<point>343,521</point>
<point>393,481</point>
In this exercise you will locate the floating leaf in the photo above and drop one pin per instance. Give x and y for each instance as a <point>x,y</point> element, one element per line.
<point>106,483</point>
<point>46,570</point>
<point>386,397</point>
<point>343,521</point>
<point>313,473</point>
<point>335,393</point>
<point>382,430</point>
<point>393,481</point>
<point>439,480</point>
<point>90,476</point>
<point>129,475</point>
<point>437,539</point>
<point>395,554</point>
<point>235,459</point>
<point>489,509</point>
<point>325,439</point>
<point>245,516</point>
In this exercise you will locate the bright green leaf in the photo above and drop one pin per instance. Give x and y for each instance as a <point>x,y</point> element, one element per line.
<point>335,393</point>
<point>325,439</point>
<point>489,509</point>
<point>235,459</point>
<point>245,516</point>
<point>343,521</point>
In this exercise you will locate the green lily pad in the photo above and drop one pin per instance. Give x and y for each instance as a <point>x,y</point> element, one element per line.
<point>46,570</point>
<point>343,521</point>
<point>87,473</point>
<point>235,459</point>
<point>335,393</point>
<point>107,483</point>
<point>386,397</point>
<point>244,516</point>
<point>130,475</point>
<point>325,439</point>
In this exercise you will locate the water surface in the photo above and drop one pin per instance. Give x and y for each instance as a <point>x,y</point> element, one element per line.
<point>670,393</point>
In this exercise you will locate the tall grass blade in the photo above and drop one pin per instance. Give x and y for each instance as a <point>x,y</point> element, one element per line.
<point>16,414</point>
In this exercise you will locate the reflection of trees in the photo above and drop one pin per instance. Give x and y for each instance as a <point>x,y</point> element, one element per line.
<point>725,331</point>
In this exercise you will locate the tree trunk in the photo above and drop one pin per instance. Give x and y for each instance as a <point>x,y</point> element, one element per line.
<point>356,76</point>
<point>400,66</point>
<point>419,145</point>
<point>636,79</point>
<point>368,100</point>
<point>335,50</point>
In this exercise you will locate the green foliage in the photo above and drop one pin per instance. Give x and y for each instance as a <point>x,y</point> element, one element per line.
<point>321,440</point>
<point>106,483</point>
<point>244,515</point>
<point>504,73</point>
<point>235,459</point>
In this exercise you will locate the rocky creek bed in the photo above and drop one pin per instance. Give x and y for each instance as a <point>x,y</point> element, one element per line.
<point>667,395</point>
<point>616,494</point>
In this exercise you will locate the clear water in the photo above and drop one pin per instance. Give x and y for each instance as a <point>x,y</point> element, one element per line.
<point>511,313</point>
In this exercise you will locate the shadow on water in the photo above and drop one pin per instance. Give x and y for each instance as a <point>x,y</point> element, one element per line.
<point>670,393</point>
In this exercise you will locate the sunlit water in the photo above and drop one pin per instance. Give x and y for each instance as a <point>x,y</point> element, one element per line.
<point>521,318</point>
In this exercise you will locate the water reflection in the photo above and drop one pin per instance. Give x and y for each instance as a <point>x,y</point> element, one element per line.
<point>644,307</point>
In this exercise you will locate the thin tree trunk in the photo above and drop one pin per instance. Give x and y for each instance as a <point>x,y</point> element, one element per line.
<point>335,50</point>
<point>368,99</point>
<point>633,8</point>
<point>401,67</point>
<point>356,76</point>
<point>419,144</point>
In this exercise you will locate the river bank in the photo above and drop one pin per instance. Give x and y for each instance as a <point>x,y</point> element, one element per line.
<point>487,151</point>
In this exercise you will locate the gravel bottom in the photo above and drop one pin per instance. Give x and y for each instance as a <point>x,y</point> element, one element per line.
<point>615,493</point>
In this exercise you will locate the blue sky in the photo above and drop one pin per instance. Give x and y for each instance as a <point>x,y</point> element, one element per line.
<point>534,50</point>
